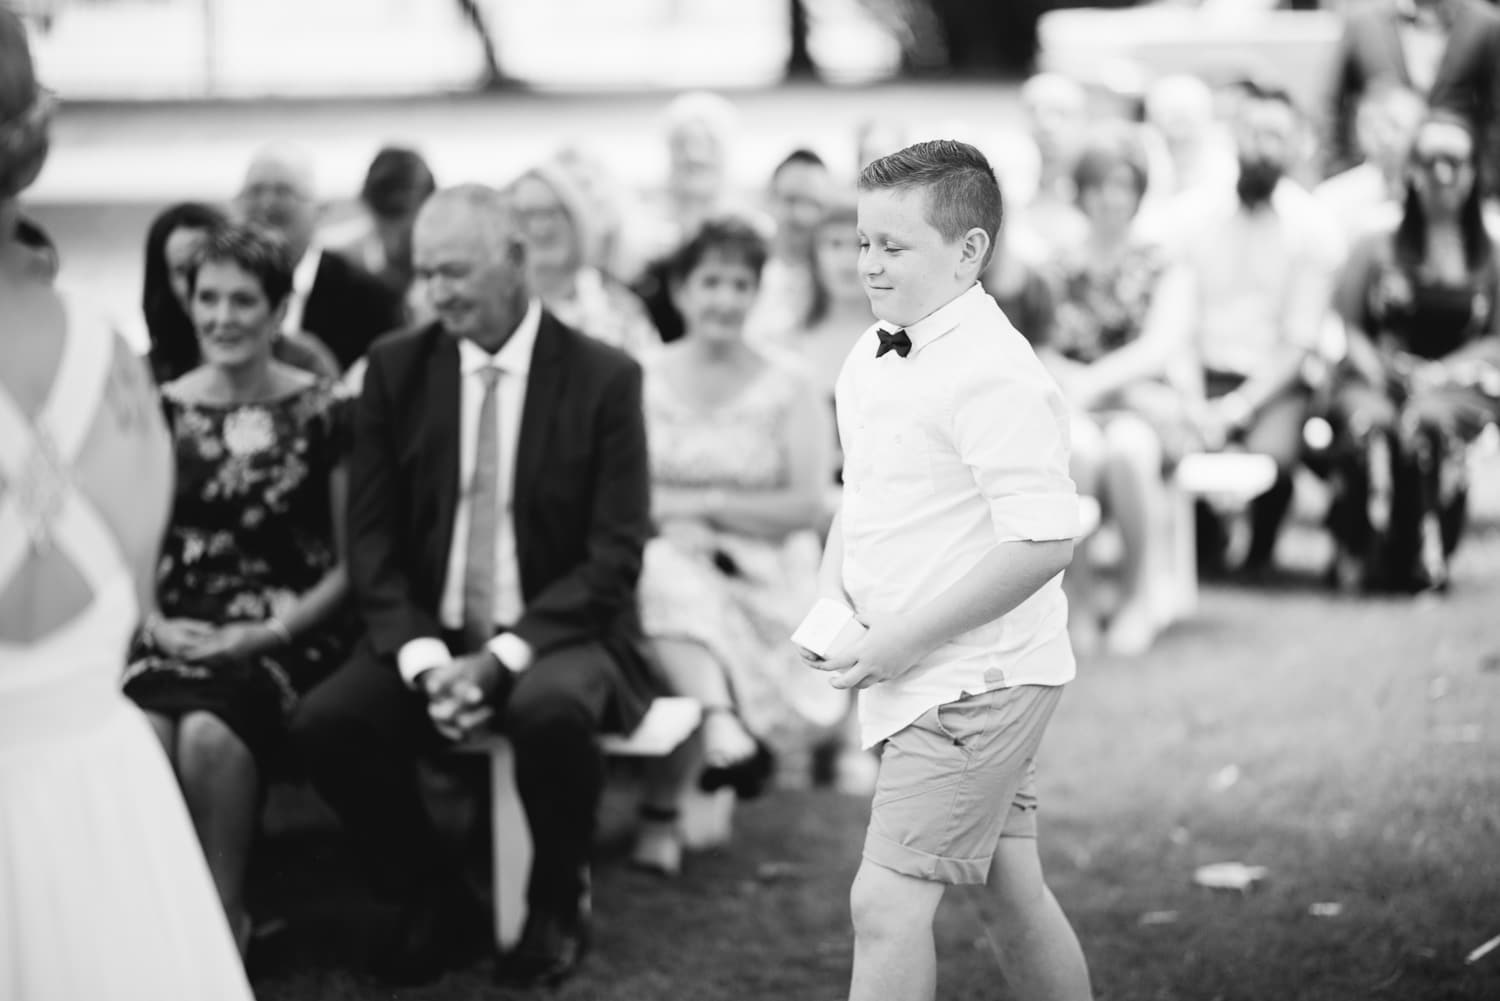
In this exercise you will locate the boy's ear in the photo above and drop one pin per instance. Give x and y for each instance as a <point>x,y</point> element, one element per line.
<point>975,248</point>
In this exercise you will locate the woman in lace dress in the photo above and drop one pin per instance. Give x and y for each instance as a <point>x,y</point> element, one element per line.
<point>250,583</point>
<point>740,453</point>
<point>104,893</point>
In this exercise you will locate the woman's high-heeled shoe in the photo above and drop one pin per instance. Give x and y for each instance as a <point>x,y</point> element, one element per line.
<point>747,776</point>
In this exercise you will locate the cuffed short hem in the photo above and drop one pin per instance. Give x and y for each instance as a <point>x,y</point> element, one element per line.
<point>914,862</point>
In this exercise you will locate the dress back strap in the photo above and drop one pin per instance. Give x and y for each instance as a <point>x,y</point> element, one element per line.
<point>42,506</point>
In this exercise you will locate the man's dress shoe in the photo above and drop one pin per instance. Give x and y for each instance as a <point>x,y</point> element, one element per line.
<point>433,934</point>
<point>550,951</point>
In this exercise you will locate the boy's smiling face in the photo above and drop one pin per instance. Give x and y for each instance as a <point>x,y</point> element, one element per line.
<point>908,268</point>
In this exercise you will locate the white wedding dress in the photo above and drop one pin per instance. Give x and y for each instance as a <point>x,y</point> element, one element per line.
<point>104,892</point>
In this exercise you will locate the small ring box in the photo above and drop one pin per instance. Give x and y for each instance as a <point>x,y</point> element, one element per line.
<point>828,628</point>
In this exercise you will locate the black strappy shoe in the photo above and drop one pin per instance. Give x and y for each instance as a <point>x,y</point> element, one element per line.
<point>748,777</point>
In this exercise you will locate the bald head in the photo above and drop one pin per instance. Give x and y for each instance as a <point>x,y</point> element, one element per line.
<point>1181,107</point>
<point>280,193</point>
<point>1057,107</point>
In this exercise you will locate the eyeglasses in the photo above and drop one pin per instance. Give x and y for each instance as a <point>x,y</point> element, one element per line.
<point>1430,161</point>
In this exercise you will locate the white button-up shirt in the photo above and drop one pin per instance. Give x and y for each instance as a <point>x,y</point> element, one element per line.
<point>950,451</point>
<point>514,362</point>
<point>1262,280</point>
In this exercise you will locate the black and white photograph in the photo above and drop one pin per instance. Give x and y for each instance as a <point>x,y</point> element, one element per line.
<point>749,500</point>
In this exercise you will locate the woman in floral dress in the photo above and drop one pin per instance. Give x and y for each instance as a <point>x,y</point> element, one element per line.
<point>1122,319</point>
<point>251,586</point>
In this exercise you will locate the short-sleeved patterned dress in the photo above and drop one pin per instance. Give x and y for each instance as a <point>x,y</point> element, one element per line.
<point>250,531</point>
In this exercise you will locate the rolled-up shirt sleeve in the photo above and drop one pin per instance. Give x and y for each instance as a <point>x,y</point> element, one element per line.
<point>1013,436</point>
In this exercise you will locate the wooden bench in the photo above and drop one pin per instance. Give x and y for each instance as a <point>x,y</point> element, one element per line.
<point>667,723</point>
<point>1229,481</point>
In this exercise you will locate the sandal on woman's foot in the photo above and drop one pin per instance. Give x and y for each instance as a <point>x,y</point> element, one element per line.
<point>658,846</point>
<point>746,774</point>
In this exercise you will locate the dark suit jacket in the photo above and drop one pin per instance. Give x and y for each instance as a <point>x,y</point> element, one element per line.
<point>1468,77</point>
<point>348,308</point>
<point>582,497</point>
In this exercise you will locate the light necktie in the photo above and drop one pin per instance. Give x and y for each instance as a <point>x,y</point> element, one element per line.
<point>484,515</point>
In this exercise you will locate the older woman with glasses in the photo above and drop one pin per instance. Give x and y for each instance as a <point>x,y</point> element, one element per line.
<point>1422,374</point>
<point>251,581</point>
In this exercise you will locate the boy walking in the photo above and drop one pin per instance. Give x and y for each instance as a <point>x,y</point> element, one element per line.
<point>958,517</point>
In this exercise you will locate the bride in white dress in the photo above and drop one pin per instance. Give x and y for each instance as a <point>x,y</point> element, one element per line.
<point>104,893</point>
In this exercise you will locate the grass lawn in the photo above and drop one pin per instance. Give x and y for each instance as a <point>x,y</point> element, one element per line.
<point>1351,747</point>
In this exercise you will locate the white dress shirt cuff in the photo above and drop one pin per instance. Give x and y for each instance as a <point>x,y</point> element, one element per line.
<point>418,655</point>
<point>1035,517</point>
<point>513,653</point>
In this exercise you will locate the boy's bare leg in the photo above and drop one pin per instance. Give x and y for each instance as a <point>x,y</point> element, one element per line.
<point>1040,953</point>
<point>894,955</point>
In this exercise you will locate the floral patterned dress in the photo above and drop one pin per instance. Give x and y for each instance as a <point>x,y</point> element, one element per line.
<point>1101,307</point>
<point>742,597</point>
<point>250,532</point>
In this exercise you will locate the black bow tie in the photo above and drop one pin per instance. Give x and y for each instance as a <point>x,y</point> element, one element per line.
<point>897,342</point>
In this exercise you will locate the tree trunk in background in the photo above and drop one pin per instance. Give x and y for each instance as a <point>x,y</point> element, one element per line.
<point>799,63</point>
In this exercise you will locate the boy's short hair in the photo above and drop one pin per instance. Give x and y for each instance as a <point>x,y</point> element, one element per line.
<point>962,191</point>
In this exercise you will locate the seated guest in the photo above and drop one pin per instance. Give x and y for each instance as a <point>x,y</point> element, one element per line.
<point>1119,325</point>
<point>172,243</point>
<point>800,187</point>
<point>499,503</point>
<point>1421,378</point>
<point>396,184</point>
<point>558,219</point>
<point>1180,109</point>
<point>1368,195</point>
<point>700,133</point>
<point>251,583</point>
<point>1261,260</point>
<point>1057,117</point>
<point>1446,50</point>
<point>339,302</point>
<point>839,311</point>
<point>739,464</point>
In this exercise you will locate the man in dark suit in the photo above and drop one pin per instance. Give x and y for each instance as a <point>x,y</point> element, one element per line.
<point>1446,50</point>
<point>335,300</point>
<point>499,504</point>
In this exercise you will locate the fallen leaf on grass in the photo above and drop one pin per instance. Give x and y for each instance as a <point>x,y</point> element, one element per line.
<point>1230,876</point>
<point>1326,909</point>
<point>1483,950</point>
<point>774,872</point>
<point>1159,918</point>
<point>1224,778</point>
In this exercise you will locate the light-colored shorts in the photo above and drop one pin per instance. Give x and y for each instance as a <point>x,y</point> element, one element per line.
<point>956,781</point>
